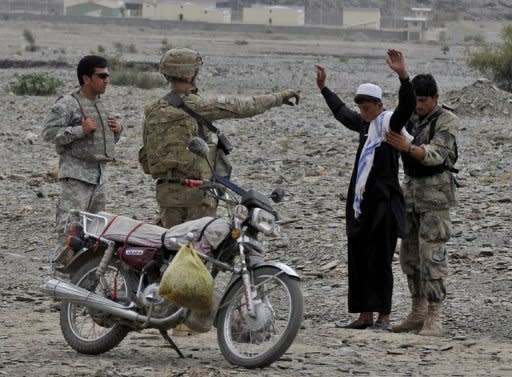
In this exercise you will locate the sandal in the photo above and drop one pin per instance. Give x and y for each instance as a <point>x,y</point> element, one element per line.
<point>381,325</point>
<point>355,325</point>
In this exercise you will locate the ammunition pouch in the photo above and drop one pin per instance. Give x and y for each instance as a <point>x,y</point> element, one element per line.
<point>414,168</point>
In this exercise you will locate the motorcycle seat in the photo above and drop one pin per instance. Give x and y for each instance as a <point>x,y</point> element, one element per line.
<point>209,230</point>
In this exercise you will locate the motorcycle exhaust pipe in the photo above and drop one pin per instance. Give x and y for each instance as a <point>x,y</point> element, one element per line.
<point>69,292</point>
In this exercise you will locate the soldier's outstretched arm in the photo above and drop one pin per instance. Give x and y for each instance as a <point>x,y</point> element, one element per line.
<point>223,107</point>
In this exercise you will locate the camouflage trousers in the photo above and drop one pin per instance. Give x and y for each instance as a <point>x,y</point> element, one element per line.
<point>178,204</point>
<point>75,194</point>
<point>423,254</point>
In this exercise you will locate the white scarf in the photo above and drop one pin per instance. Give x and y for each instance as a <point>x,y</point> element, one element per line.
<point>376,135</point>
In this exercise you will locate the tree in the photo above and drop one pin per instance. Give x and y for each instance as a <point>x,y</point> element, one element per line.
<point>495,61</point>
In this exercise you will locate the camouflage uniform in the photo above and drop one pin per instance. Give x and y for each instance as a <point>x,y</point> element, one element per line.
<point>82,158</point>
<point>167,131</point>
<point>423,252</point>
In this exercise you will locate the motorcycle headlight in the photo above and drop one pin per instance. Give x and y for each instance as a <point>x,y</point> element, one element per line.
<point>263,221</point>
<point>241,212</point>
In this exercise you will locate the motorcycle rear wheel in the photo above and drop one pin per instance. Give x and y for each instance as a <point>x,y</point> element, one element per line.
<point>90,331</point>
<point>256,342</point>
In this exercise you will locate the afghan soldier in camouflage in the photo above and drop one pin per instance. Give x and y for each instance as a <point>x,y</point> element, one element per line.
<point>429,190</point>
<point>84,136</point>
<point>168,130</point>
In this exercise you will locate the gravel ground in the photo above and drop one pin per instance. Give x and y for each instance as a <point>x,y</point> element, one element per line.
<point>302,149</point>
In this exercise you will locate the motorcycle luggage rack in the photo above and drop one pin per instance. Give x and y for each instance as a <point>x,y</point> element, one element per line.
<point>86,219</point>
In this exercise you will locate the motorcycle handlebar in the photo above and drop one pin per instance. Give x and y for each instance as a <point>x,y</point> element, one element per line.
<point>219,182</point>
<point>192,183</point>
<point>201,184</point>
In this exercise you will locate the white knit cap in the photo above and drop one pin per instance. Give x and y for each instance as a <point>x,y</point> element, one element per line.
<point>370,90</point>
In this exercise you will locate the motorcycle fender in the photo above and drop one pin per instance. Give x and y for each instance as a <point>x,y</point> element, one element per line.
<point>78,259</point>
<point>283,267</point>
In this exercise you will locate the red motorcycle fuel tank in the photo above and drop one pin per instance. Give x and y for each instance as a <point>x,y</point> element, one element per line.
<point>137,257</point>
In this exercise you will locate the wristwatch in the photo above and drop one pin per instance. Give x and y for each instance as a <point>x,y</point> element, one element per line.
<point>411,149</point>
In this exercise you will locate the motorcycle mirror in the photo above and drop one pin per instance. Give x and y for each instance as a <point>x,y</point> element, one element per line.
<point>199,147</point>
<point>277,195</point>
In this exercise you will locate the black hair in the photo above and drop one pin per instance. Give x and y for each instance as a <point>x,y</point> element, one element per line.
<point>361,98</point>
<point>87,65</point>
<point>424,85</point>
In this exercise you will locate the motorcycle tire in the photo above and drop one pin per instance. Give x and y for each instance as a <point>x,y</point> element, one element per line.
<point>258,341</point>
<point>105,333</point>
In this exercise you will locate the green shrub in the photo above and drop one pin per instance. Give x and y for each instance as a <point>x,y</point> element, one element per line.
<point>116,62</point>
<point>132,77</point>
<point>35,84</point>
<point>477,38</point>
<point>119,47</point>
<point>101,49</point>
<point>29,38</point>
<point>445,48</point>
<point>495,61</point>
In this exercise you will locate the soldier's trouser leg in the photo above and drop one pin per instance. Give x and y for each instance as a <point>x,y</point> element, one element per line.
<point>434,233</point>
<point>78,195</point>
<point>179,204</point>
<point>410,262</point>
<point>170,216</point>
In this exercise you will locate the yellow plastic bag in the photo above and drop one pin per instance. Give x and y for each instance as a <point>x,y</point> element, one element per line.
<point>187,282</point>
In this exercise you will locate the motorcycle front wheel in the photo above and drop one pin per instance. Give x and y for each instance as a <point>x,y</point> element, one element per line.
<point>90,331</point>
<point>256,341</point>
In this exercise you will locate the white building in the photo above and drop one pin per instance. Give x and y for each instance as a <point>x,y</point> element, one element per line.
<point>273,15</point>
<point>185,11</point>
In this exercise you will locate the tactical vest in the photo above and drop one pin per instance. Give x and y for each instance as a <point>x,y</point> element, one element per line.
<point>98,145</point>
<point>413,167</point>
<point>166,134</point>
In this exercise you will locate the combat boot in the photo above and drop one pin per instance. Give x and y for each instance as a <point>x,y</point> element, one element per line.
<point>432,325</point>
<point>414,321</point>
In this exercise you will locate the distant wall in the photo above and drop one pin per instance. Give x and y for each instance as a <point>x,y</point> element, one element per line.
<point>380,35</point>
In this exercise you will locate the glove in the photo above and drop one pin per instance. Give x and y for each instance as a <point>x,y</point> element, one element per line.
<point>288,95</point>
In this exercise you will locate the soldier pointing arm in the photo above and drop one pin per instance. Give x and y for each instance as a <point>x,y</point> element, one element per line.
<point>168,129</point>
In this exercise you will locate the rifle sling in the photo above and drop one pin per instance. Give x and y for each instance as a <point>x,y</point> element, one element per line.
<point>175,100</point>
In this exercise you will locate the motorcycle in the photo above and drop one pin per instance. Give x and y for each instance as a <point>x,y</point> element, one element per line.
<point>118,263</point>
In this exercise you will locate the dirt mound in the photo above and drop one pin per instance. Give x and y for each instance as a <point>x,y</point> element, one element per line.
<point>482,98</point>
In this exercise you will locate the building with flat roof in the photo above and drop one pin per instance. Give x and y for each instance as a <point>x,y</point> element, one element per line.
<point>422,12</point>
<point>273,15</point>
<point>203,11</point>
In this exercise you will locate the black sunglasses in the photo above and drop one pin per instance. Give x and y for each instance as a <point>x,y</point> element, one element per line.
<point>102,75</point>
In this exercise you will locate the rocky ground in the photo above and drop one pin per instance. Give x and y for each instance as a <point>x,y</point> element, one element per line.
<point>302,149</point>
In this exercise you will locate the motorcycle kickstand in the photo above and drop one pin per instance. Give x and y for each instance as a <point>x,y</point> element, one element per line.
<point>169,340</point>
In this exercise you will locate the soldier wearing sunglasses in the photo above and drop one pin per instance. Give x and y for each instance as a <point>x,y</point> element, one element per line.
<point>84,136</point>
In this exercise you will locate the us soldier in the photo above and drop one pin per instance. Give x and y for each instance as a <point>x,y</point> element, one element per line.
<point>168,129</point>
<point>84,136</point>
<point>429,189</point>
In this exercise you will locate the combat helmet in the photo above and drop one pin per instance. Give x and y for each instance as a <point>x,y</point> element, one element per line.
<point>180,63</point>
